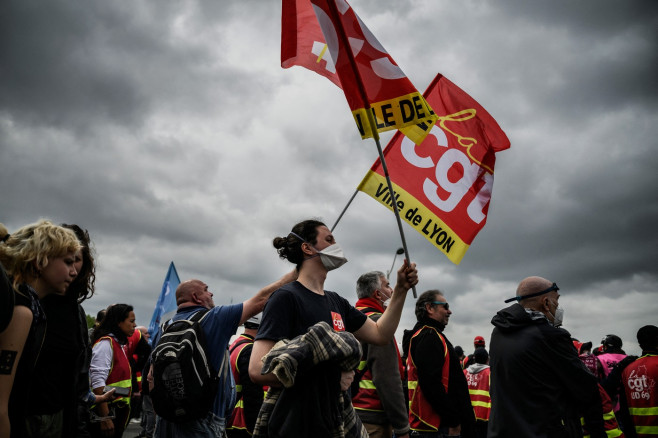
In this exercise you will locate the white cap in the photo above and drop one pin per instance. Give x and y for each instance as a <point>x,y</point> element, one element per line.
<point>255,320</point>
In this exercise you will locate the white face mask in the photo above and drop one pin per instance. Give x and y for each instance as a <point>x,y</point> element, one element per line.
<point>558,318</point>
<point>387,301</point>
<point>332,257</point>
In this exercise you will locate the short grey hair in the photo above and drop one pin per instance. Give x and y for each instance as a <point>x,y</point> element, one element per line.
<point>368,283</point>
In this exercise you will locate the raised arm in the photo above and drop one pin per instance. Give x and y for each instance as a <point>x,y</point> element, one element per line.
<point>382,331</point>
<point>256,303</point>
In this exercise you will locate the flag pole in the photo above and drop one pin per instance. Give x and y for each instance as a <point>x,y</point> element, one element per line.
<point>390,190</point>
<point>344,210</point>
<point>373,127</point>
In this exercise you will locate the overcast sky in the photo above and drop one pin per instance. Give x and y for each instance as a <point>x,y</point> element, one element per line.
<point>169,130</point>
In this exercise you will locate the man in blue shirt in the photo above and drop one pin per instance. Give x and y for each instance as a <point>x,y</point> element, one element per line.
<point>219,325</point>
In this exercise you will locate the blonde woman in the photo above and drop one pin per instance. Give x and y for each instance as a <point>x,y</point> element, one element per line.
<point>40,260</point>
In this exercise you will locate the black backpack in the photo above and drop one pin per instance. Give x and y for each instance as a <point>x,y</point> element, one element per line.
<point>184,382</point>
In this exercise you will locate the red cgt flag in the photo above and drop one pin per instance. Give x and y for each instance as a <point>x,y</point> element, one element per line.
<point>443,186</point>
<point>327,37</point>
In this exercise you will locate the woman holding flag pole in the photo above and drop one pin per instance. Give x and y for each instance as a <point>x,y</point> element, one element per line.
<point>295,307</point>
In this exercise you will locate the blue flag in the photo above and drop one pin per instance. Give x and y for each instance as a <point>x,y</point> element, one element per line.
<point>166,306</point>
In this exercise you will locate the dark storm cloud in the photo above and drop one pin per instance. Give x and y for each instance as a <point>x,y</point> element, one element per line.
<point>597,17</point>
<point>603,53</point>
<point>117,189</point>
<point>171,132</point>
<point>59,64</point>
<point>69,65</point>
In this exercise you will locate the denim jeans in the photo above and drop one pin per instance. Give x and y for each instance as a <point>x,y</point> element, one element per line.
<point>210,426</point>
<point>148,416</point>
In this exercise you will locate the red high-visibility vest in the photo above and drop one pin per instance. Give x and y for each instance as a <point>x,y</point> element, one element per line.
<point>640,380</point>
<point>612,429</point>
<point>421,415</point>
<point>237,420</point>
<point>367,398</point>
<point>129,349</point>
<point>478,390</point>
<point>120,373</point>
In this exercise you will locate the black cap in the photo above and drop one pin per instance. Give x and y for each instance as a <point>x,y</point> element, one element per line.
<point>480,355</point>
<point>612,341</point>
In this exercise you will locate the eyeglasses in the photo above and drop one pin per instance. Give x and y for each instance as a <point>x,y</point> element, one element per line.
<point>441,303</point>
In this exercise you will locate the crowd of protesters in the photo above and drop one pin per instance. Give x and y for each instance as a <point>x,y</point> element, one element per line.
<point>311,364</point>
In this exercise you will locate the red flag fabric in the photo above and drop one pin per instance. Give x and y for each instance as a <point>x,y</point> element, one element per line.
<point>327,37</point>
<point>443,186</point>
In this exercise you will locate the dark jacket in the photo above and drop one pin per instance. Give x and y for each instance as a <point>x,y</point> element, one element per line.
<point>539,387</point>
<point>19,401</point>
<point>61,375</point>
<point>6,299</point>
<point>311,402</point>
<point>427,353</point>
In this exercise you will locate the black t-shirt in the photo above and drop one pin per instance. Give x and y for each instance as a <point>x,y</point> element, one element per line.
<point>292,309</point>
<point>55,372</point>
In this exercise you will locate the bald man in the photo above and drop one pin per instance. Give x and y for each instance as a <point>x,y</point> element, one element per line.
<point>219,324</point>
<point>539,387</point>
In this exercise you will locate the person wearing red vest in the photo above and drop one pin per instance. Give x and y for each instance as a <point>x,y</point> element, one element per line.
<point>439,403</point>
<point>478,342</point>
<point>640,382</point>
<point>110,366</point>
<point>378,394</point>
<point>249,397</point>
<point>610,424</point>
<point>585,355</point>
<point>478,380</point>
<point>612,429</point>
<point>138,351</point>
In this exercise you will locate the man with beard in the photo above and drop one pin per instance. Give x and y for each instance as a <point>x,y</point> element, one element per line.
<point>439,403</point>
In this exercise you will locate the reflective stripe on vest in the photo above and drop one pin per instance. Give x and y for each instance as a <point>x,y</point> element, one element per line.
<point>120,373</point>
<point>367,398</point>
<point>609,420</point>
<point>237,420</point>
<point>612,429</point>
<point>640,380</point>
<point>478,390</point>
<point>421,415</point>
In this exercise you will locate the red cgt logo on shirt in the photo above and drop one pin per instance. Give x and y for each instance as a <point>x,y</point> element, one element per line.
<point>339,325</point>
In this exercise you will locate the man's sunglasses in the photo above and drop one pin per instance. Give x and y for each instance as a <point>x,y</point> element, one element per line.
<point>441,303</point>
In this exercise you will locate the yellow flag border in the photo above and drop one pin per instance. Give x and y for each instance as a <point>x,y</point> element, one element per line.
<point>429,224</point>
<point>390,114</point>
